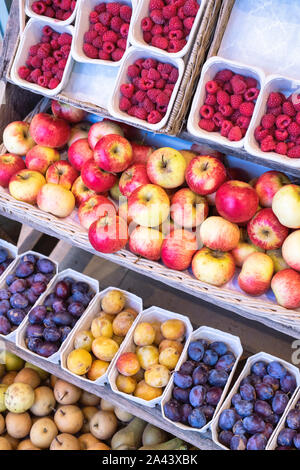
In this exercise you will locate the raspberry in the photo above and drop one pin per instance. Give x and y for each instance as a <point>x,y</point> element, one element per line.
<point>288,108</point>
<point>236,101</point>
<point>44,51</point>
<point>168,92</point>
<point>175,34</point>
<point>147,36</point>
<point>116,24</point>
<point>147,24</point>
<point>224,75</point>
<point>275,111</point>
<point>146,84</point>
<point>268,144</point>
<point>64,39</point>
<point>268,121</point>
<point>50,12</point>
<point>54,44</point>
<point>101,8</point>
<point>176,45</point>
<point>226,110</point>
<point>53,83</point>
<point>34,49</point>
<point>66,50</point>
<point>162,99</point>
<point>140,96</point>
<point>152,94</point>
<point>48,63</point>
<point>157,17</point>
<point>39,8</point>
<point>148,105</point>
<point>274,100</point>
<point>206,111</point>
<point>228,88</point>
<point>212,86</point>
<point>160,41</point>
<point>222,97</point>
<point>234,116</point>
<point>247,108</point>
<point>23,72</point>
<point>45,38</point>
<point>260,133</point>
<point>298,118</point>
<point>294,129</point>
<point>36,62</point>
<point>124,103</point>
<point>104,55</point>
<point>97,42</point>
<point>47,30</point>
<point>243,122</point>
<point>238,85</point>
<point>35,74</point>
<point>140,113</point>
<point>110,36</point>
<point>173,77</point>
<point>156,5</point>
<point>251,94</point>
<point>90,51</point>
<point>295,99</point>
<point>105,18</point>
<point>283,121</point>
<point>169,11</point>
<point>58,55</point>
<point>235,134</point>
<point>207,125</point>
<point>125,13</point>
<point>113,8</point>
<point>157,30</point>
<point>250,82</point>
<point>281,135</point>
<point>190,8</point>
<point>108,47</point>
<point>188,23</point>
<point>153,74</point>
<point>154,117</point>
<point>218,118</point>
<point>281,148</point>
<point>124,30</point>
<point>294,152</point>
<point>62,64</point>
<point>133,71</point>
<point>149,64</point>
<point>117,54</point>
<point>100,29</point>
<point>175,23</point>
<point>43,81</point>
<point>226,128</point>
<point>211,100</point>
<point>127,89</point>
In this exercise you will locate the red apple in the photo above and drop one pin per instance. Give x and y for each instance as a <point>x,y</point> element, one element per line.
<point>219,234</point>
<point>93,209</point>
<point>178,249</point>
<point>242,251</point>
<point>49,131</point>
<point>9,165</point>
<point>265,230</point>
<point>96,179</point>
<point>256,274</point>
<point>146,242</point>
<point>79,153</point>
<point>17,138</point>
<point>149,205</point>
<point>67,112</point>
<point>286,287</point>
<point>214,267</point>
<point>79,131</point>
<point>291,250</point>
<point>102,128</point>
<point>39,158</point>
<point>205,174</point>
<point>108,234</point>
<point>132,178</point>
<point>267,186</point>
<point>113,153</point>
<point>236,201</point>
<point>141,153</point>
<point>188,209</point>
<point>81,192</point>
<point>25,185</point>
<point>62,173</point>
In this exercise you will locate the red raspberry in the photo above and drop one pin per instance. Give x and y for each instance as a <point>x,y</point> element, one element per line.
<point>122,43</point>
<point>62,64</point>
<point>44,51</point>
<point>176,45</point>
<point>243,122</point>
<point>236,101</point>
<point>93,17</point>
<point>226,128</point>
<point>124,30</point>
<point>268,144</point>
<point>64,4</point>
<point>251,94</point>
<point>165,70</point>
<point>238,85</point>
<point>145,84</point>
<point>294,152</point>
<point>188,23</point>
<point>160,41</point>
<point>250,82</point>
<point>147,24</point>
<point>218,119</point>
<point>175,34</point>
<point>153,74</point>
<point>228,88</point>
<point>283,121</point>
<point>140,113</point>
<point>275,111</point>
<point>157,17</point>
<point>274,100</point>
<point>47,30</point>
<point>60,75</point>
<point>147,36</point>
<point>133,71</point>
<point>116,24</point>
<point>48,63</point>
<point>281,148</point>
<point>157,30</point>
<point>105,18</point>
<point>206,111</point>
<point>298,117</point>
<point>117,54</point>
<point>43,81</point>
<point>235,134</point>
<point>104,55</point>
<point>190,8</point>
<point>127,89</point>
<point>108,47</point>
<point>100,28</point>
<point>226,110</point>
<point>222,97</point>
<point>139,63</point>
<point>173,77</point>
<point>207,125</point>
<point>281,135</point>
<point>101,8</point>
<point>110,36</point>
<point>168,92</point>
<point>113,8</point>
<point>169,11</point>
<point>154,117</point>
<point>149,64</point>
<point>64,39</point>
<point>36,62</point>
<point>224,75</point>
<point>125,13</point>
<point>58,55</point>
<point>34,50</point>
<point>211,100</point>
<point>148,105</point>
<point>295,99</point>
<point>175,23</point>
<point>180,13</point>
<point>97,42</point>
<point>39,8</point>
<point>260,133</point>
<point>53,83</point>
<point>35,74</point>
<point>50,13</point>
<point>212,86</point>
<point>156,5</point>
<point>124,103</point>
<point>247,108</point>
<point>234,116</point>
<point>23,72</point>
<point>90,51</point>
<point>294,129</point>
<point>54,44</point>
<point>66,50</point>
<point>140,96</point>
<point>144,73</point>
<point>152,94</point>
<point>268,121</point>
<point>288,108</point>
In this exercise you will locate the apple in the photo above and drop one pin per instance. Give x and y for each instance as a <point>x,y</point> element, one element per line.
<point>113,153</point>
<point>96,179</point>
<point>102,128</point>
<point>188,209</point>
<point>219,234</point>
<point>188,155</point>
<point>166,168</point>
<point>242,251</point>
<point>62,173</point>
<point>178,249</point>
<point>132,178</point>
<point>256,274</point>
<point>291,250</point>
<point>265,230</point>
<point>25,185</point>
<point>214,267</point>
<point>67,112</point>
<point>17,138</point>
<point>149,205</point>
<point>81,192</point>
<point>93,209</point>
<point>205,174</point>
<point>108,234</point>
<point>56,200</point>
<point>79,153</point>
<point>115,192</point>
<point>146,242</point>
<point>123,210</point>
<point>267,186</point>
<point>278,261</point>
<point>141,153</point>
<point>9,165</point>
<point>79,131</point>
<point>39,158</point>
<point>236,201</point>
<point>286,287</point>
<point>286,205</point>
<point>49,131</point>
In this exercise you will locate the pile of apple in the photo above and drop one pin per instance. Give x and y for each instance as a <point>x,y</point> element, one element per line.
<point>145,369</point>
<point>94,349</point>
<point>178,206</point>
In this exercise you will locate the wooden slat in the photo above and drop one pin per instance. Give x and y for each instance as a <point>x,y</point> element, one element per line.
<point>28,238</point>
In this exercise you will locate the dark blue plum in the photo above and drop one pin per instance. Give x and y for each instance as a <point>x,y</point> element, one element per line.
<point>76,309</point>
<point>5,294</point>
<point>238,428</point>
<point>219,347</point>
<point>288,383</point>
<point>276,370</point>
<point>259,368</point>
<point>4,306</point>
<point>227,419</point>
<point>274,383</point>
<point>38,288</point>
<point>186,410</point>
<point>286,437</point>
<point>196,351</point>
<point>65,331</point>
<point>296,441</point>
<point>200,375</point>
<point>226,362</point>
<point>63,319</point>
<point>80,286</point>
<point>210,357</point>
<point>33,344</point>
<point>197,418</point>
<point>52,334</point>
<point>29,258</point>
<point>18,286</point>
<point>181,394</point>
<point>197,396</point>
<point>39,277</point>
<point>238,442</point>
<point>47,349</point>
<point>24,269</point>
<point>264,391</point>
<point>31,297</point>
<point>182,380</point>
<point>279,402</point>
<point>218,378</point>
<point>247,392</point>
<point>35,331</point>
<point>225,438</point>
<point>18,301</point>
<point>263,408</point>
<point>257,442</point>
<point>255,379</point>
<point>236,398</point>
<point>62,290</point>
<point>293,419</point>
<point>5,326</point>
<point>254,424</point>
<point>269,429</point>
<point>48,321</point>
<point>213,395</point>
<point>172,410</point>
<point>208,410</point>
<point>45,266</point>
<point>37,315</point>
<point>50,299</point>
<point>244,408</point>
<point>59,306</point>
<point>187,367</point>
<point>16,316</point>
<point>10,279</point>
<point>273,419</point>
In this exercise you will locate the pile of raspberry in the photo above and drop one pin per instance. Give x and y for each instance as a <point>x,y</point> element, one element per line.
<point>151,85</point>
<point>279,129</point>
<point>47,60</point>
<point>106,38</point>
<point>59,9</point>
<point>229,104</point>
<point>169,23</point>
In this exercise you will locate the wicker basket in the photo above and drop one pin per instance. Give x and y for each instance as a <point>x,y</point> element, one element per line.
<point>264,311</point>
<point>193,68</point>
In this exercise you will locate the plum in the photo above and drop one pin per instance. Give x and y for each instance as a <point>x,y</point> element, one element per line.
<point>186,410</point>
<point>219,347</point>
<point>227,419</point>
<point>10,279</point>
<point>218,378</point>
<point>62,290</point>
<point>238,442</point>
<point>296,441</point>
<point>276,370</point>
<point>3,255</point>
<point>286,437</point>
<point>48,321</point>
<point>31,297</point>
<point>47,349</point>
<point>238,428</point>
<point>181,394</point>
<point>257,442</point>
<point>5,294</point>
<point>34,331</point>
<point>293,419</point>
<point>63,319</point>
<point>247,392</point>
<point>182,380</point>
<point>65,331</point>
<point>29,258</point>
<point>16,316</point>
<point>197,396</point>
<point>33,344</point>
<point>254,424</point>
<point>18,286</point>
<point>18,301</point>
<point>5,326</point>
<point>226,362</point>
<point>200,375</point>
<point>208,410</point>
<point>269,429</point>
<point>187,367</point>
<point>255,379</point>
<point>52,335</point>
<point>50,299</point>
<point>172,410</point>
<point>263,409</point>
<point>76,309</point>
<point>24,269</point>
<point>59,306</point>
<point>244,408</point>
<point>4,306</point>
<point>196,351</point>
<point>37,315</point>
<point>273,419</point>
<point>274,383</point>
<point>225,438</point>
<point>197,418</point>
<point>288,383</point>
<point>78,296</point>
<point>45,266</point>
<point>210,357</point>
<point>38,288</point>
<point>80,286</point>
<point>259,368</point>
<point>39,277</point>
<point>279,402</point>
<point>213,396</point>
<point>264,391</point>
<point>236,398</point>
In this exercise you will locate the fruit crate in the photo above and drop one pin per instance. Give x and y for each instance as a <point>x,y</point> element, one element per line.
<point>180,107</point>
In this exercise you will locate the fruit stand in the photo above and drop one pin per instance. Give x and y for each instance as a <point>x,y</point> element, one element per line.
<point>254,310</point>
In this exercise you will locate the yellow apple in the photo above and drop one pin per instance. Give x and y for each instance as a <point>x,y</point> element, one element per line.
<point>213,267</point>
<point>256,274</point>
<point>149,205</point>
<point>286,205</point>
<point>291,250</point>
<point>39,158</point>
<point>166,168</point>
<point>56,200</point>
<point>25,185</point>
<point>17,138</point>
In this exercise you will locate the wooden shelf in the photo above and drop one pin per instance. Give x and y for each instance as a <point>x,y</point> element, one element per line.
<point>150,415</point>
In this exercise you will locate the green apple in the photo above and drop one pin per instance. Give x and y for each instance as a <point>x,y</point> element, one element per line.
<point>11,361</point>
